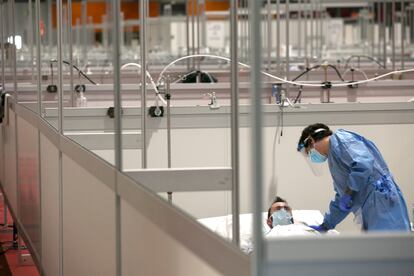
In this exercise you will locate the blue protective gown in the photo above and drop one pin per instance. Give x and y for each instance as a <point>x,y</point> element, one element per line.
<point>357,167</point>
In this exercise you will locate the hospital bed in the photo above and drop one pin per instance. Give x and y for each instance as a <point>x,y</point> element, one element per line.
<point>222,225</point>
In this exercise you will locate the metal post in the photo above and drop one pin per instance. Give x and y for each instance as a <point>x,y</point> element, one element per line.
<point>316,29</point>
<point>168,98</point>
<point>16,138</point>
<point>105,41</point>
<point>287,16</point>
<point>234,122</point>
<point>39,112</point>
<point>49,23</point>
<point>14,59</point>
<point>320,28</point>
<point>70,42</point>
<point>269,35</point>
<point>246,31</point>
<point>38,59</point>
<point>198,33</point>
<point>384,38</point>
<point>306,14</point>
<point>203,24</point>
<point>198,26</point>
<point>402,34</point>
<point>116,8</point>
<point>193,30</point>
<point>392,27</point>
<point>278,70</point>
<point>256,146</point>
<point>371,27</point>
<point>59,64</point>
<point>311,29</point>
<point>84,22</point>
<point>187,33</point>
<point>60,128</point>
<point>410,22</point>
<point>411,29</point>
<point>64,31</point>
<point>299,22</point>
<point>3,41</point>
<point>143,41</point>
<point>121,31</point>
<point>30,38</point>
<point>378,24</point>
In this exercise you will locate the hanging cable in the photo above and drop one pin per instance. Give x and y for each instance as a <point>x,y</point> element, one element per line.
<point>322,85</point>
<point>157,93</point>
<point>306,71</point>
<point>363,56</point>
<point>299,95</point>
<point>75,67</point>
<point>337,71</point>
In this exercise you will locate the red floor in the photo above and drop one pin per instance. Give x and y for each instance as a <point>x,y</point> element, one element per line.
<point>12,255</point>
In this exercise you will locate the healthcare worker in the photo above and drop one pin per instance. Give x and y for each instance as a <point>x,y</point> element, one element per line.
<point>362,181</point>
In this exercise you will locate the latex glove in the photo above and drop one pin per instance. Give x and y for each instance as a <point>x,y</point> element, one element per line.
<point>320,228</point>
<point>345,203</point>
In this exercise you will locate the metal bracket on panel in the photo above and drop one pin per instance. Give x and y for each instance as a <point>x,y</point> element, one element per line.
<point>156,111</point>
<point>111,112</point>
<point>6,108</point>
<point>25,259</point>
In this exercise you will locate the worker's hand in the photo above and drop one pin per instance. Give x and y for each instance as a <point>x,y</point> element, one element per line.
<point>320,228</point>
<point>345,203</point>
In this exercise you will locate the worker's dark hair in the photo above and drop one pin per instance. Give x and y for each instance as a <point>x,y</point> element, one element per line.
<point>277,199</point>
<point>317,131</point>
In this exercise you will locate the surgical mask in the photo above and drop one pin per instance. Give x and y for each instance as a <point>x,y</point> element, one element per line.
<point>316,157</point>
<point>281,217</point>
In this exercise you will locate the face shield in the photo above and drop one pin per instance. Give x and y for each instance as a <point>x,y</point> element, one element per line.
<point>316,168</point>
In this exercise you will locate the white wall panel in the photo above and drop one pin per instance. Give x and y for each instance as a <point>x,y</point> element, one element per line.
<point>10,180</point>
<point>28,187</point>
<point>295,181</point>
<point>89,223</point>
<point>146,250</point>
<point>50,206</point>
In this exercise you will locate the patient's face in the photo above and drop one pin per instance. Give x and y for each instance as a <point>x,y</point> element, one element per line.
<point>276,207</point>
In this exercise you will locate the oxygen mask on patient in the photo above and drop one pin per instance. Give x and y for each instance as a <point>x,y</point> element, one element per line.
<point>281,217</point>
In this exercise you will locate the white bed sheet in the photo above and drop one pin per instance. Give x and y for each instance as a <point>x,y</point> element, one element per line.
<point>222,225</point>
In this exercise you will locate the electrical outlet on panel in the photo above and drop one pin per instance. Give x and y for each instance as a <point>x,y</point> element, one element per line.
<point>25,259</point>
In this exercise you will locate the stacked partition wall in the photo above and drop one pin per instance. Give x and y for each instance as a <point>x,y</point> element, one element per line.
<point>109,157</point>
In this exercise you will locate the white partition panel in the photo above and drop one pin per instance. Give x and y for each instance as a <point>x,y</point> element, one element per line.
<point>10,166</point>
<point>28,187</point>
<point>88,222</point>
<point>147,250</point>
<point>369,255</point>
<point>50,206</point>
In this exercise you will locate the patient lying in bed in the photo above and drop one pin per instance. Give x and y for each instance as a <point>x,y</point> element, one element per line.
<point>275,224</point>
<point>281,221</point>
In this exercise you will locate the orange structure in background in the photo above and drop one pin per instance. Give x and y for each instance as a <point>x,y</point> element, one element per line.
<point>96,10</point>
<point>210,6</point>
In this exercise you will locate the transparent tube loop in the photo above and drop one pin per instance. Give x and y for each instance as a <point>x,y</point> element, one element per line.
<point>150,78</point>
<point>280,79</point>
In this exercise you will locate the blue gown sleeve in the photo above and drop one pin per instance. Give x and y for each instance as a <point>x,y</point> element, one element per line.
<point>358,159</point>
<point>335,215</point>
